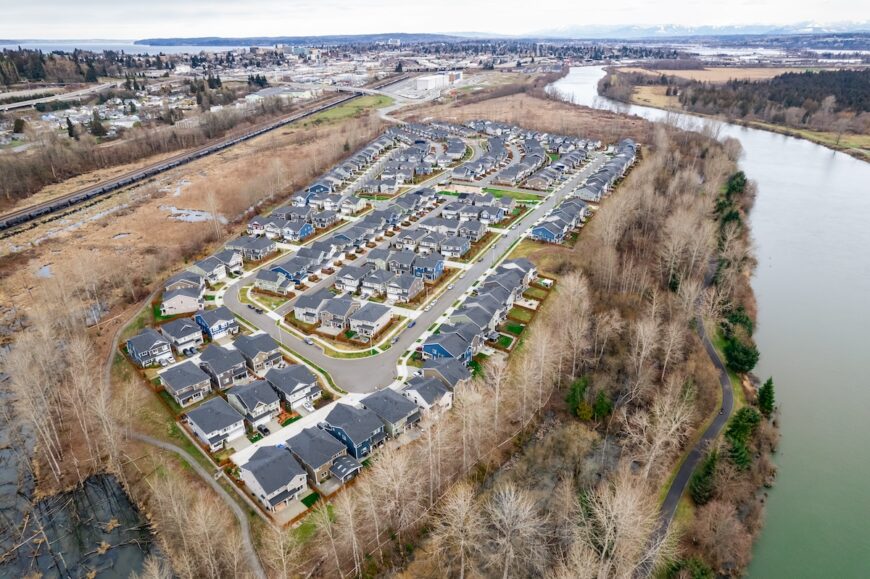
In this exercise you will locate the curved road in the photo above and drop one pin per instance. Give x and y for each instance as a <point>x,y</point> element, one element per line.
<point>681,481</point>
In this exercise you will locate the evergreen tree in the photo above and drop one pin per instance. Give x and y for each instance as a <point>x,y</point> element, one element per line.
<point>766,399</point>
<point>577,395</point>
<point>97,128</point>
<point>602,407</point>
<point>703,482</point>
<point>91,74</point>
<point>70,129</point>
<point>18,125</point>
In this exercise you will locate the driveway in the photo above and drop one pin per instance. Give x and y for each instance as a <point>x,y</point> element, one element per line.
<point>364,375</point>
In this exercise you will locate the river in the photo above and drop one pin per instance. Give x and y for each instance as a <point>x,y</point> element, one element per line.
<point>811,228</point>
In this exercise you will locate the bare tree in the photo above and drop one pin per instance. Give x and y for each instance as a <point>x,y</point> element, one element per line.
<point>516,533</point>
<point>458,530</point>
<point>281,551</point>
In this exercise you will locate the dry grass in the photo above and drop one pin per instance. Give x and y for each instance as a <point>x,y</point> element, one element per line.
<point>654,96</point>
<point>722,74</point>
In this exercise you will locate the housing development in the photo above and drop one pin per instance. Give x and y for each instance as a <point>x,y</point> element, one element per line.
<point>346,319</point>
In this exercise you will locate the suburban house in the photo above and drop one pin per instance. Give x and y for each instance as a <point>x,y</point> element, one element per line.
<point>370,319</point>
<point>256,401</point>
<point>322,456</point>
<point>447,346</point>
<point>453,246</point>
<point>186,383</point>
<point>524,266</point>
<point>377,259</point>
<point>149,348</point>
<point>395,411</point>
<point>360,430</point>
<point>349,278</point>
<point>261,351</point>
<point>452,373</point>
<point>429,394</point>
<point>183,300</point>
<point>185,280</point>
<point>297,230</point>
<point>183,333</point>
<point>226,367</point>
<point>217,323</point>
<point>268,280</point>
<point>429,267</point>
<point>375,282</point>
<point>253,248</point>
<point>401,261</point>
<point>231,259</point>
<point>274,477</point>
<point>335,314</point>
<point>548,232</point>
<point>296,268</point>
<point>352,204</point>
<point>294,384</point>
<point>403,288</point>
<point>211,269</point>
<point>215,423</point>
<point>307,307</point>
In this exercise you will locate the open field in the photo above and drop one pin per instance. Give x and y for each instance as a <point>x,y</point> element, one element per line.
<point>350,109</point>
<point>720,74</point>
<point>654,96</point>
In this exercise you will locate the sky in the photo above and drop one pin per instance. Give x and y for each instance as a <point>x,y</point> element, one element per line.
<point>125,19</point>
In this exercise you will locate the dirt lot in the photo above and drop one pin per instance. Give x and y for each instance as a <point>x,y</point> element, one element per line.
<point>720,74</point>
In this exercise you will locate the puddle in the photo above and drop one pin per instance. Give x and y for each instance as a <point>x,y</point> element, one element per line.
<point>176,192</point>
<point>120,235</point>
<point>44,271</point>
<point>190,215</point>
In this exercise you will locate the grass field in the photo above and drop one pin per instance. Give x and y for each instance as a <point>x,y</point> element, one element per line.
<point>349,109</point>
<point>519,196</point>
<point>722,73</point>
<point>535,293</point>
<point>521,314</point>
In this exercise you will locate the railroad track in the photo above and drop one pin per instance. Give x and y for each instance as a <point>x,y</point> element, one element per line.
<point>34,212</point>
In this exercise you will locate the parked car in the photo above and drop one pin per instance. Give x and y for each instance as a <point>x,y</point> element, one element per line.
<point>307,405</point>
<point>451,286</point>
<point>412,324</point>
<point>264,430</point>
<point>309,341</point>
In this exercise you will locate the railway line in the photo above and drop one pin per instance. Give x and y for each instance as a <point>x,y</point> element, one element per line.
<point>34,212</point>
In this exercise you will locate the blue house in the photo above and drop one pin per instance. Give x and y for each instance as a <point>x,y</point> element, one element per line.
<point>359,429</point>
<point>447,346</point>
<point>429,267</point>
<point>217,323</point>
<point>319,187</point>
<point>548,232</point>
<point>295,268</point>
<point>297,230</point>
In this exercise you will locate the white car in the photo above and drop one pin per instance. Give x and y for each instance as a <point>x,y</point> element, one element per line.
<point>462,275</point>
<point>450,287</point>
<point>427,308</point>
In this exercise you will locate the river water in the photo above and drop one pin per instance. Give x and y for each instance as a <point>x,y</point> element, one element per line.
<point>811,227</point>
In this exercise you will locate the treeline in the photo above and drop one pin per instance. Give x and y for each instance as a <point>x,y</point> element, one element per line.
<point>77,66</point>
<point>58,158</point>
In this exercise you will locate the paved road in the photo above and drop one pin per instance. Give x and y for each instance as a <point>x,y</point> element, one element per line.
<point>368,374</point>
<point>684,475</point>
<point>247,544</point>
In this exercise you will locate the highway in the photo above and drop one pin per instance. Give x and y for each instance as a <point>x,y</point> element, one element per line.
<point>66,96</point>
<point>374,372</point>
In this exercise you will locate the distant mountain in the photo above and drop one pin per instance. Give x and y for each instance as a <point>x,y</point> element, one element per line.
<point>671,31</point>
<point>273,40</point>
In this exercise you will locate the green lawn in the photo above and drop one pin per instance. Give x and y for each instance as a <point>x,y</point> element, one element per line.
<point>310,500</point>
<point>271,302</point>
<point>513,194</point>
<point>536,293</point>
<point>290,420</point>
<point>515,329</point>
<point>450,193</point>
<point>505,341</point>
<point>520,314</point>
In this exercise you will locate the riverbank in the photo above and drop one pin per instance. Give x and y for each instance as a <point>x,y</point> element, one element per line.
<point>854,145</point>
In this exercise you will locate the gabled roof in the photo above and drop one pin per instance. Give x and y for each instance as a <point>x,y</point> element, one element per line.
<point>190,292</point>
<point>339,306</point>
<point>453,344</point>
<point>208,264</point>
<point>180,327</point>
<point>251,346</point>
<point>370,312</point>
<point>216,316</point>
<point>189,277</point>
<point>182,376</point>
<point>146,340</point>
<point>389,405</point>
<point>358,423</point>
<point>315,300</point>
<point>227,256</point>
<point>431,390</point>
<point>253,393</point>
<point>273,468</point>
<point>403,281</point>
<point>220,359</point>
<point>379,276</point>
<point>451,371</point>
<point>214,414</point>
<point>315,447</point>
<point>353,272</point>
<point>290,378</point>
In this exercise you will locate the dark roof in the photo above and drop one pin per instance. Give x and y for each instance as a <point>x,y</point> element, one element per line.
<point>452,343</point>
<point>290,378</point>
<point>345,465</point>
<point>273,467</point>
<point>253,393</point>
<point>180,327</point>
<point>451,371</point>
<point>359,424</point>
<point>339,306</point>
<point>215,316</point>
<point>430,389</point>
<point>315,447</point>
<point>214,414</point>
<point>221,359</point>
<point>370,312</point>
<point>389,405</point>
<point>146,340</point>
<point>314,300</point>
<point>251,346</point>
<point>184,375</point>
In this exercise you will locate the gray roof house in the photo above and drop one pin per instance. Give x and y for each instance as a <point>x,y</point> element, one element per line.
<point>182,300</point>
<point>186,383</point>
<point>261,351</point>
<point>183,334</point>
<point>349,278</point>
<point>274,477</point>
<point>211,269</point>
<point>149,348</point>
<point>218,322</point>
<point>429,394</point>
<point>226,367</point>
<point>257,401</point>
<point>395,411</point>
<point>453,373</point>
<point>322,456</point>
<point>294,384</point>
<point>215,422</point>
<point>231,259</point>
<point>358,428</point>
<point>335,314</point>
<point>370,319</point>
<point>404,288</point>
<point>307,307</point>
